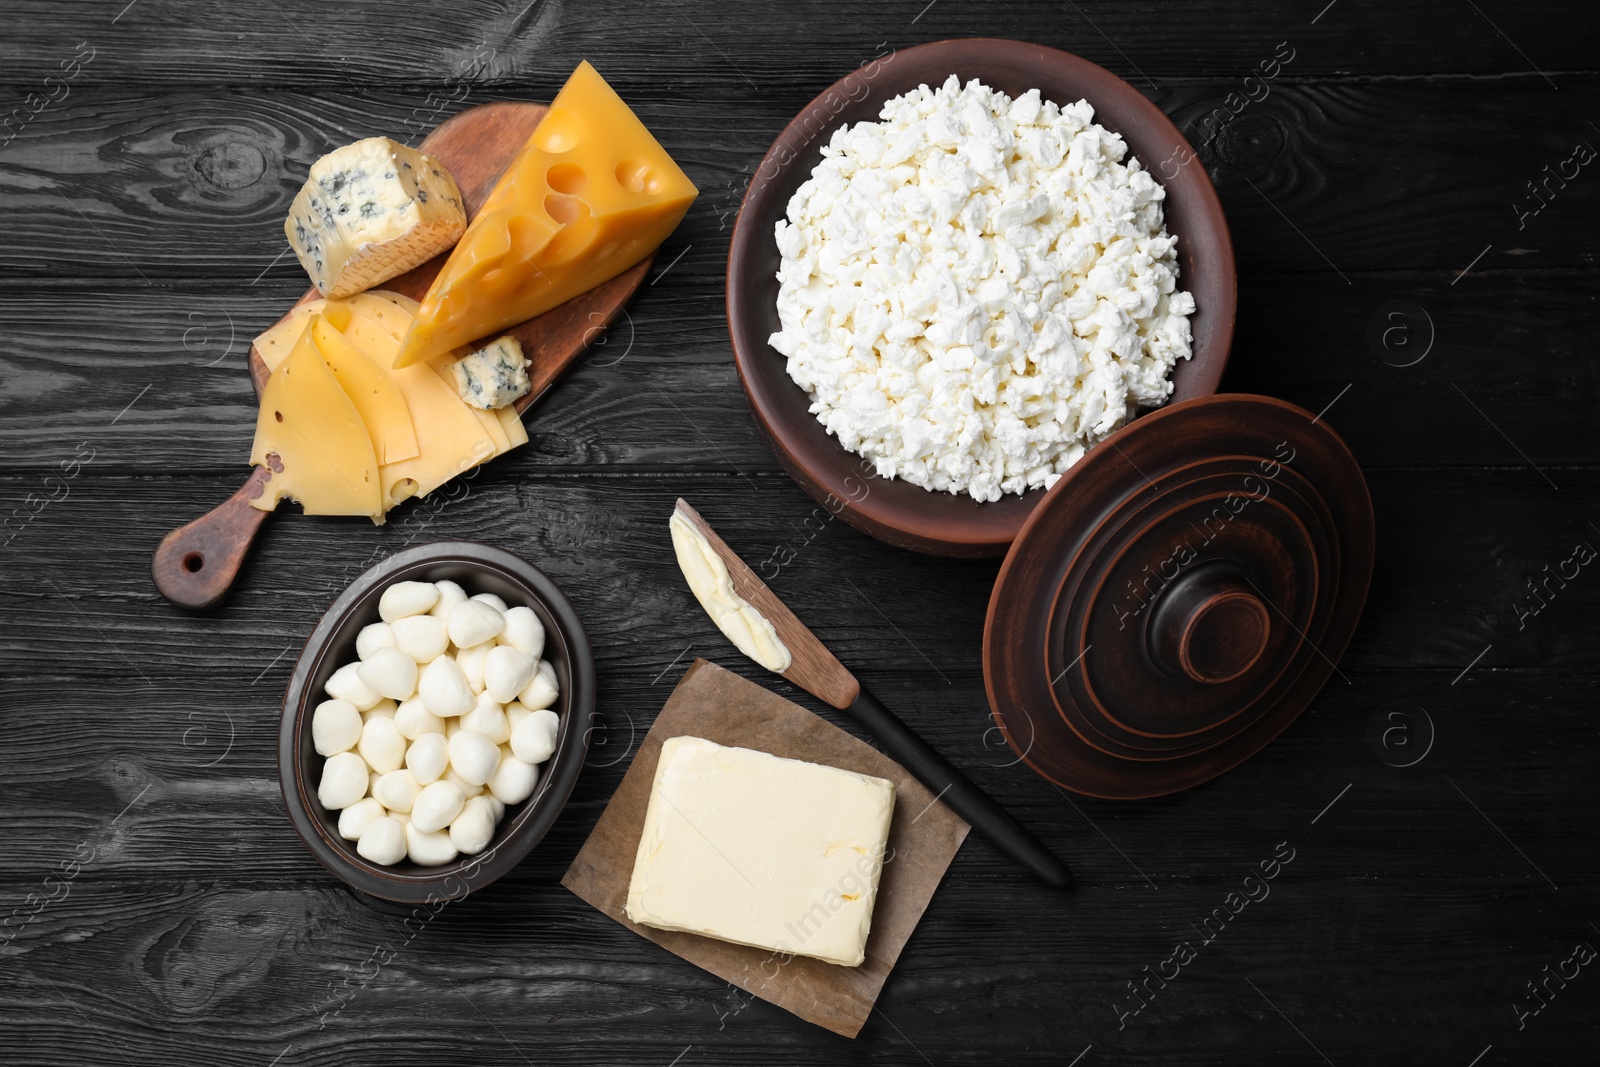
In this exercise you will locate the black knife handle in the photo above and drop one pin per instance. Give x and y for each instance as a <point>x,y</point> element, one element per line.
<point>956,790</point>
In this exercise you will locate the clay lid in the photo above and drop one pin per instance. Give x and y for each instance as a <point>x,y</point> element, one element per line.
<point>1179,597</point>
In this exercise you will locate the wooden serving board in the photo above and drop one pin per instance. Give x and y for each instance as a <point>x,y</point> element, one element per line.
<point>196,564</point>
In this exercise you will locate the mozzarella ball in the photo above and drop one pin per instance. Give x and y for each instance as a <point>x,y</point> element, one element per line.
<point>524,632</point>
<point>437,806</point>
<point>507,672</point>
<point>534,738</point>
<point>473,757</point>
<point>428,849</point>
<point>397,790</point>
<point>391,672</point>
<point>498,806</point>
<point>383,841</point>
<point>381,745</point>
<point>475,622</point>
<point>513,780</point>
<point>443,688</point>
<point>335,727</point>
<point>403,599</point>
<point>344,781</point>
<point>384,707</point>
<point>372,779</point>
<point>358,816</point>
<point>515,713</point>
<point>450,594</point>
<point>488,719</point>
<point>427,757</point>
<point>472,830</point>
<point>471,661</point>
<point>346,684</point>
<point>468,789</point>
<point>492,600</point>
<point>403,818</point>
<point>371,638</point>
<point>542,691</point>
<point>413,720</point>
<point>423,637</point>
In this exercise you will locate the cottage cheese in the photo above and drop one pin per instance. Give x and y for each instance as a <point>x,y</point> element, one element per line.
<point>976,289</point>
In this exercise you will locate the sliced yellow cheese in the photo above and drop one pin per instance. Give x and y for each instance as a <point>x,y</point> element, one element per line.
<point>487,419</point>
<point>591,194</point>
<point>371,389</point>
<point>511,422</point>
<point>390,310</point>
<point>450,438</point>
<point>310,435</point>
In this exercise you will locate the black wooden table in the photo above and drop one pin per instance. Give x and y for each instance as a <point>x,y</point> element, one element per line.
<point>1413,203</point>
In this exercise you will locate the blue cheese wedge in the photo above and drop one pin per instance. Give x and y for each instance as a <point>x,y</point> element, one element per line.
<point>751,848</point>
<point>371,211</point>
<point>494,375</point>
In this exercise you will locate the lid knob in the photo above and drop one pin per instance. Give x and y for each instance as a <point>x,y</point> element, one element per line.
<point>1209,625</point>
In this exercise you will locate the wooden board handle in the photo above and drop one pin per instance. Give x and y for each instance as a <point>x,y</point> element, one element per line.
<point>195,565</point>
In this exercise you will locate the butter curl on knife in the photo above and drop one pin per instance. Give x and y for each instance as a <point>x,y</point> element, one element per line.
<point>752,616</point>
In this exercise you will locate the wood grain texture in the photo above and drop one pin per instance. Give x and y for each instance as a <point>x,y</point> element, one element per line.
<point>142,226</point>
<point>659,392</point>
<point>734,50</point>
<point>194,185</point>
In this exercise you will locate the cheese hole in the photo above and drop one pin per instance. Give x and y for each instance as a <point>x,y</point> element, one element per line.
<point>278,415</point>
<point>564,209</point>
<point>636,176</point>
<point>578,231</point>
<point>566,178</point>
<point>193,562</point>
<point>558,131</point>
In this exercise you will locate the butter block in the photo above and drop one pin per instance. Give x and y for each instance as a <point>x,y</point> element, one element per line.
<point>371,211</point>
<point>758,850</point>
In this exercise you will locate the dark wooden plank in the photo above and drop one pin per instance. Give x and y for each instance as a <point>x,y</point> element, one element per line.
<point>1456,551</point>
<point>727,50</point>
<point>185,759</point>
<point>195,185</point>
<point>661,392</point>
<point>531,958</point>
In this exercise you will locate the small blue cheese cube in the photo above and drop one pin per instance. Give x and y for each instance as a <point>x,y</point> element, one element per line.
<point>494,375</point>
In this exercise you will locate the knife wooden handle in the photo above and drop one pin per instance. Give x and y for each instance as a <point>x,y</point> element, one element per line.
<point>195,565</point>
<point>956,790</point>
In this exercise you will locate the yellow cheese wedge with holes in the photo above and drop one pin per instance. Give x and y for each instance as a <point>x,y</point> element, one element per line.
<point>309,433</point>
<point>371,389</point>
<point>590,194</point>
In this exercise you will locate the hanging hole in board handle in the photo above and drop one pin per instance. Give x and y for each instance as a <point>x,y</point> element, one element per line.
<point>196,564</point>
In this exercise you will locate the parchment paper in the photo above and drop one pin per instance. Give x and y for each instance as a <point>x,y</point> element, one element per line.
<point>721,706</point>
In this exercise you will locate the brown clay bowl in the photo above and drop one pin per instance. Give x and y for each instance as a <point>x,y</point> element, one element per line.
<point>478,569</point>
<point>896,511</point>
